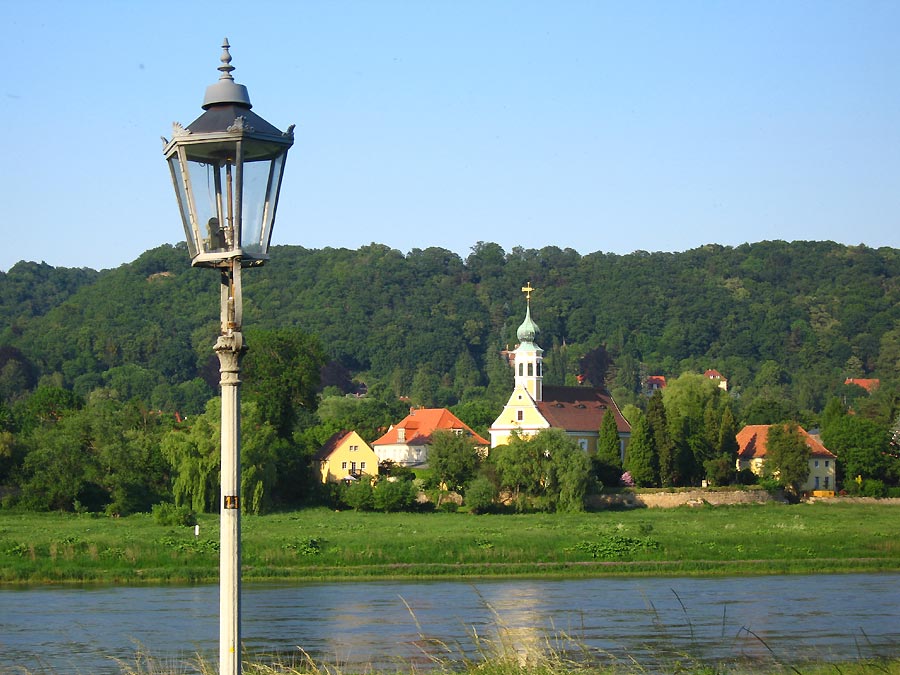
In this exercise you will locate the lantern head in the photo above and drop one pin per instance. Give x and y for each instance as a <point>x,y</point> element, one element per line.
<point>227,167</point>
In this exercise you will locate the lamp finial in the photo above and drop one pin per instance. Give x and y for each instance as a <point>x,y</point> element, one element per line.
<point>226,66</point>
<point>226,90</point>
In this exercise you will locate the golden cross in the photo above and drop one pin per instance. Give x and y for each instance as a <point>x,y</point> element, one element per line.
<point>527,290</point>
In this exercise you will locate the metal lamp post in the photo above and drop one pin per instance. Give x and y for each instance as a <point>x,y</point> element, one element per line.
<point>227,167</point>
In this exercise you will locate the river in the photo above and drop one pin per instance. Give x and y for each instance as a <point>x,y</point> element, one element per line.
<point>655,621</point>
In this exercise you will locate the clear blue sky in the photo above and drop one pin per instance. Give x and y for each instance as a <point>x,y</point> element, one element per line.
<point>600,126</point>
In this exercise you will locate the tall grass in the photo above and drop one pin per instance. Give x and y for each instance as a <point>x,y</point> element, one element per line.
<point>322,544</point>
<point>510,652</point>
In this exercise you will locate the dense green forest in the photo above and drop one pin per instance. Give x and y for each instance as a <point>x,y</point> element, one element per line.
<point>119,358</point>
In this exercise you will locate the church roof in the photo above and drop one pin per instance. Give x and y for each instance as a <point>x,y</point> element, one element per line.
<point>421,423</point>
<point>579,408</point>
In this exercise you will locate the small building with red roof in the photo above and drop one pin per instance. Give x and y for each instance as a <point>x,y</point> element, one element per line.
<point>869,384</point>
<point>717,377</point>
<point>752,455</point>
<point>406,443</point>
<point>655,383</point>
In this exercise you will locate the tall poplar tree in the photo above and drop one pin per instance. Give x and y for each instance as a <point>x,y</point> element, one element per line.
<point>608,462</point>
<point>640,459</point>
<point>662,439</point>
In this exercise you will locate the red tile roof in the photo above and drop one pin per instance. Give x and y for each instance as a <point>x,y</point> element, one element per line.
<point>421,423</point>
<point>714,374</point>
<point>752,442</point>
<point>331,445</point>
<point>579,408</point>
<point>869,385</point>
<point>656,381</point>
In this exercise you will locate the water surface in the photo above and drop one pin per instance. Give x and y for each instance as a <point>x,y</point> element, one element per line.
<point>652,620</point>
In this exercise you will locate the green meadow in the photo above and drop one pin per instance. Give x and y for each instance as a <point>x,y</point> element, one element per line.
<point>321,544</point>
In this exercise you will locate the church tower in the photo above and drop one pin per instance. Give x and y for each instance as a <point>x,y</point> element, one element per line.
<point>532,407</point>
<point>528,358</point>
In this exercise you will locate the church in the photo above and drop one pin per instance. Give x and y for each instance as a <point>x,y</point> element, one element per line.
<point>578,411</point>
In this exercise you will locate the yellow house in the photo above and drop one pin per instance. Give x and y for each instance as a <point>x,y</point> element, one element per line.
<point>578,411</point>
<point>346,456</point>
<point>752,455</point>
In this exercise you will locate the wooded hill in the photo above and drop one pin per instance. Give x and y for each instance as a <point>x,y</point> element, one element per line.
<point>785,321</point>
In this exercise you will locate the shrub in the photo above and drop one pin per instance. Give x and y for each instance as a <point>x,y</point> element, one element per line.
<point>480,495</point>
<point>394,495</point>
<point>358,495</point>
<point>872,487</point>
<point>165,513</point>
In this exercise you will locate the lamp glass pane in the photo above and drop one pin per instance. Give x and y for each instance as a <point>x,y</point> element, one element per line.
<point>210,208</point>
<point>261,180</point>
<point>183,204</point>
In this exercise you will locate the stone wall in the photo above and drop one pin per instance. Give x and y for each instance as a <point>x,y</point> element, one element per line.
<point>665,500</point>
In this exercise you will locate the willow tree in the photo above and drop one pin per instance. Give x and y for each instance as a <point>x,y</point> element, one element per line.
<point>192,450</point>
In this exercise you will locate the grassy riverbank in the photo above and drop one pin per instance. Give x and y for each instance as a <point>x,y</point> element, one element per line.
<point>321,544</point>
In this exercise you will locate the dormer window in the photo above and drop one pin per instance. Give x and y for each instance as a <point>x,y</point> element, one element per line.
<point>401,435</point>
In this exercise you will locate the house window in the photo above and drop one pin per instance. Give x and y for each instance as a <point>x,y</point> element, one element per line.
<point>458,432</point>
<point>343,465</point>
<point>826,482</point>
<point>583,443</point>
<point>362,466</point>
<point>401,435</point>
<point>520,415</point>
<point>352,467</point>
<point>354,448</point>
<point>539,368</point>
<point>521,369</point>
<point>826,463</point>
<point>816,464</point>
<point>817,483</point>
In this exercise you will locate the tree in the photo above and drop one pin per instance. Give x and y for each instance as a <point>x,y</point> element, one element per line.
<point>594,365</point>
<point>192,450</point>
<point>394,495</point>
<point>281,374</point>
<point>480,495</point>
<point>260,450</point>
<point>787,456</point>
<point>640,459</point>
<point>686,400</point>
<point>547,471</point>
<point>862,447</point>
<point>358,495</point>
<point>662,439</point>
<point>452,458</point>
<point>425,386</point>
<point>608,462</point>
<point>720,470</point>
<point>727,442</point>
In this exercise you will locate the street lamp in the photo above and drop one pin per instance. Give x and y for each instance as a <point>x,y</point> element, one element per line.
<point>227,167</point>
